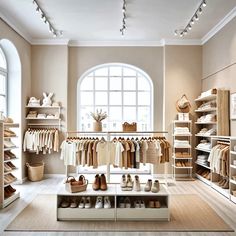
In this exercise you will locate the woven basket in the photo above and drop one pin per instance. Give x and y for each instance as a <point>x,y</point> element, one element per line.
<point>129,127</point>
<point>35,171</point>
<point>187,106</point>
<point>75,188</point>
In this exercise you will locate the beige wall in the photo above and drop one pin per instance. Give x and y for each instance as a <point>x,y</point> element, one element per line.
<point>219,62</point>
<point>24,51</point>
<point>50,74</point>
<point>183,70</point>
<point>148,59</point>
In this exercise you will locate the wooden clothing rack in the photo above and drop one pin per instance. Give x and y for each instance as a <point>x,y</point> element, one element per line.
<point>109,135</point>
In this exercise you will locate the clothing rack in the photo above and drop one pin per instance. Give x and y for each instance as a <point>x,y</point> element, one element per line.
<point>224,143</point>
<point>109,134</point>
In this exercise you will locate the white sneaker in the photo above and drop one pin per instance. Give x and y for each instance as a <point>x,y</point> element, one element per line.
<point>127,203</point>
<point>99,203</point>
<point>129,183</point>
<point>142,204</point>
<point>136,204</point>
<point>123,183</point>
<point>121,203</point>
<point>137,186</point>
<point>107,203</point>
<point>87,203</point>
<point>82,202</point>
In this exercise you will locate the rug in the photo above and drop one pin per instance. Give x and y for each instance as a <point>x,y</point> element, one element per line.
<point>189,213</point>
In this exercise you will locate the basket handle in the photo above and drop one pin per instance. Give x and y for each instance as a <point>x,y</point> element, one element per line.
<point>27,164</point>
<point>67,179</point>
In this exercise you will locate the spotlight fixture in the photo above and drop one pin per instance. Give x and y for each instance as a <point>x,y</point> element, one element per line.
<point>55,33</point>
<point>195,17</point>
<point>123,28</point>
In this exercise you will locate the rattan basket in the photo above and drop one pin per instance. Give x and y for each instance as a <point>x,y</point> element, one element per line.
<point>129,127</point>
<point>35,171</point>
<point>75,188</point>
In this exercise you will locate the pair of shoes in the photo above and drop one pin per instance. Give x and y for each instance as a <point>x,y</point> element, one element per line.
<point>9,133</point>
<point>100,182</point>
<point>139,204</point>
<point>126,184</point>
<point>152,186</point>
<point>8,166</point>
<point>103,203</point>
<point>154,204</point>
<point>8,155</point>
<point>224,183</point>
<point>9,178</point>
<point>8,191</point>
<point>85,202</point>
<point>124,203</point>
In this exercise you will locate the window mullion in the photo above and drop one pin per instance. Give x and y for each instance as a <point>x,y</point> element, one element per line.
<point>122,93</point>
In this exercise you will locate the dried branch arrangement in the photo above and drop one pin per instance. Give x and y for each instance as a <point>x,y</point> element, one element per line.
<point>99,115</point>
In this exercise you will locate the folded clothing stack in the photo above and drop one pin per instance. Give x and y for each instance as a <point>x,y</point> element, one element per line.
<point>203,159</point>
<point>182,155</point>
<point>181,144</point>
<point>32,114</point>
<point>207,132</point>
<point>207,105</point>
<point>41,116</point>
<point>204,144</point>
<point>207,118</point>
<point>208,93</point>
<point>181,131</point>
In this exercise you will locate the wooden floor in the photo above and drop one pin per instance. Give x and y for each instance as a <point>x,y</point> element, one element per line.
<point>224,208</point>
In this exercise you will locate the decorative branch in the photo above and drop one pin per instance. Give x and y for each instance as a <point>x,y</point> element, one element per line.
<point>99,115</point>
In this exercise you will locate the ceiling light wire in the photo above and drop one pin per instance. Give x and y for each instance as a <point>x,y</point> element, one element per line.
<point>123,28</point>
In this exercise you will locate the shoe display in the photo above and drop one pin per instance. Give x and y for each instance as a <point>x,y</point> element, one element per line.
<point>107,203</point>
<point>148,186</point>
<point>96,183</point>
<point>103,182</point>
<point>129,183</point>
<point>87,204</point>
<point>82,203</point>
<point>127,203</point>
<point>137,186</point>
<point>155,186</point>
<point>99,203</point>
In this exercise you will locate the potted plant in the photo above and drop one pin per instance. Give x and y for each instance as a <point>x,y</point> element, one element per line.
<point>98,116</point>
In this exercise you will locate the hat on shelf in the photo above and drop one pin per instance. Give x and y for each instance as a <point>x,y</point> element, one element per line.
<point>183,104</point>
<point>8,120</point>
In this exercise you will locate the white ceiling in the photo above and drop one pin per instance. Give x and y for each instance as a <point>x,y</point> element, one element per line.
<point>100,21</point>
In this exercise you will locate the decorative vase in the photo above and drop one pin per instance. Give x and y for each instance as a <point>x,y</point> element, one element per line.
<point>97,126</point>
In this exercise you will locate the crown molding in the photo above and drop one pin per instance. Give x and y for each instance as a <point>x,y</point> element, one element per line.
<point>16,27</point>
<point>181,42</point>
<point>54,41</point>
<point>219,26</point>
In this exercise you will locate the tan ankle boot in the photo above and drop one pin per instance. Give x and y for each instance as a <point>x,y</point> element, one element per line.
<point>103,183</point>
<point>96,183</point>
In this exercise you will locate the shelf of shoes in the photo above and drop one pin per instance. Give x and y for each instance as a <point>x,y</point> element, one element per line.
<point>9,167</point>
<point>113,204</point>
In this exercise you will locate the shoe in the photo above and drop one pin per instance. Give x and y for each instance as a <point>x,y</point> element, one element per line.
<point>103,182</point>
<point>121,203</point>
<point>82,203</point>
<point>136,204</point>
<point>7,168</point>
<point>142,204</point>
<point>148,186</point>
<point>87,204</point>
<point>208,177</point>
<point>81,180</point>
<point>107,203</point>
<point>157,204</point>
<point>10,164</point>
<point>99,203</point>
<point>222,183</point>
<point>226,185</point>
<point>127,203</point>
<point>65,204</point>
<point>11,188</point>
<point>151,204</point>
<point>137,186</point>
<point>129,183</point>
<point>96,183</point>
<point>155,186</point>
<point>123,183</point>
<point>73,204</point>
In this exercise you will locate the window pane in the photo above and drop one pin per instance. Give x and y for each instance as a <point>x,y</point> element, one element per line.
<point>87,84</point>
<point>143,113</point>
<point>3,63</point>
<point>129,98</point>
<point>101,98</point>
<point>143,84</point>
<point>115,83</point>
<point>100,83</point>
<point>86,98</point>
<point>130,114</point>
<point>115,71</point>
<point>115,113</point>
<point>115,126</point>
<point>101,72</point>
<point>129,83</point>
<point>143,98</point>
<point>2,84</point>
<point>129,72</point>
<point>115,98</point>
<point>3,104</point>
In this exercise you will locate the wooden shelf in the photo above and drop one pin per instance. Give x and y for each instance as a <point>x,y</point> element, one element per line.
<point>13,159</point>
<point>203,150</point>
<point>182,121</point>
<point>207,167</point>
<point>206,110</point>
<point>205,123</point>
<point>204,180</point>
<point>42,118</point>
<point>10,199</point>
<point>10,148</point>
<point>182,135</point>
<point>46,107</point>
<point>182,167</point>
<point>206,98</point>
<point>11,125</point>
<point>204,136</point>
<point>182,158</point>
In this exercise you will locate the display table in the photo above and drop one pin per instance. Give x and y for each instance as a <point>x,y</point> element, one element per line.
<point>115,213</point>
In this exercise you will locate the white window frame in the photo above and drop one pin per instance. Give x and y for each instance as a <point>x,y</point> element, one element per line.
<point>4,72</point>
<point>138,72</point>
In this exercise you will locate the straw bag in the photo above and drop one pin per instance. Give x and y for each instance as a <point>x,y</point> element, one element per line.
<point>74,186</point>
<point>183,104</point>
<point>35,171</point>
<point>129,127</point>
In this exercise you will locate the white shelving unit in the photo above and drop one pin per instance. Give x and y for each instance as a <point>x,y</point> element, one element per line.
<point>186,160</point>
<point>115,213</point>
<point>5,201</point>
<point>232,184</point>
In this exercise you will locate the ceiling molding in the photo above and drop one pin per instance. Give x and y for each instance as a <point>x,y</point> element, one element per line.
<point>75,43</point>
<point>54,41</point>
<point>181,42</point>
<point>219,26</point>
<point>16,27</point>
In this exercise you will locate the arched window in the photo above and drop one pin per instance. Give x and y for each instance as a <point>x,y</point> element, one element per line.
<point>123,91</point>
<point>3,83</point>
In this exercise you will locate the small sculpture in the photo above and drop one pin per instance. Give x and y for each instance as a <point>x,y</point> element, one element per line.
<point>47,102</point>
<point>34,102</point>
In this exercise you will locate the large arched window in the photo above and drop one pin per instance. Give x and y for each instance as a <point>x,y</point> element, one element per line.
<point>123,91</point>
<point>3,83</point>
